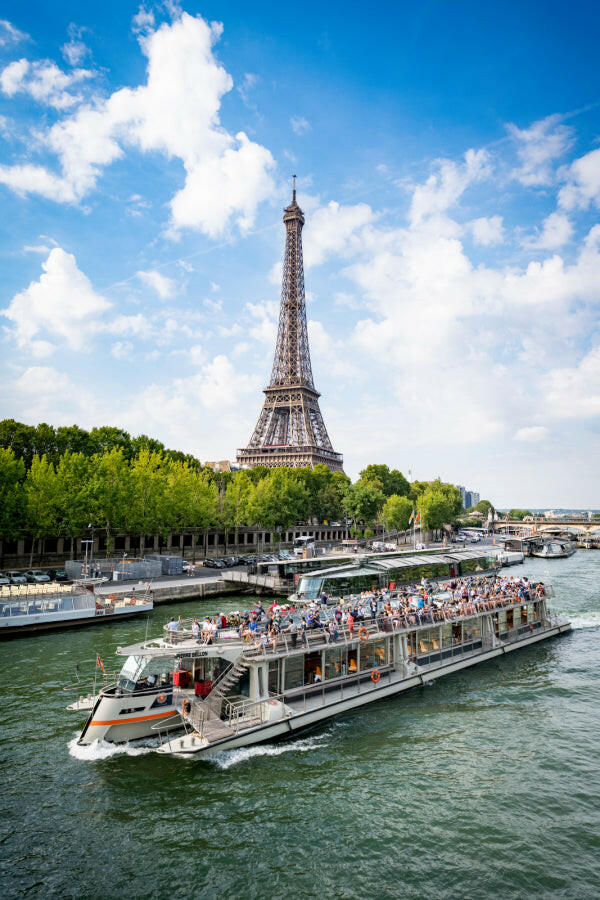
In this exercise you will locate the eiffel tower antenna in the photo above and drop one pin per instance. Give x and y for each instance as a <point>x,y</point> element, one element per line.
<point>290,430</point>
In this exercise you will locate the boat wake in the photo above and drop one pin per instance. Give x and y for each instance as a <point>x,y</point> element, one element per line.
<point>103,750</point>
<point>586,620</point>
<point>228,758</point>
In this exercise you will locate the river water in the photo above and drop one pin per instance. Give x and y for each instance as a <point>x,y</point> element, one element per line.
<point>484,784</point>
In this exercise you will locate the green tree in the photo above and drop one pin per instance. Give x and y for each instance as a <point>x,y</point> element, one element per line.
<point>397,511</point>
<point>73,439</point>
<point>518,513</point>
<point>107,438</point>
<point>391,481</point>
<point>73,497</point>
<point>149,510</point>
<point>484,506</point>
<point>111,493</point>
<point>278,501</point>
<point>236,502</point>
<point>40,501</point>
<point>19,438</point>
<point>435,508</point>
<point>12,496</point>
<point>363,501</point>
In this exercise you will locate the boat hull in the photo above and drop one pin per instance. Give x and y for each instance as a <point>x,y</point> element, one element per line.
<point>52,621</point>
<point>298,722</point>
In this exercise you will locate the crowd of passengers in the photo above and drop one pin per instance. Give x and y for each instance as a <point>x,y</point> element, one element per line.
<point>408,606</point>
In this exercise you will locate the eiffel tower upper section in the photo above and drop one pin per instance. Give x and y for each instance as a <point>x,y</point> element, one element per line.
<point>290,430</point>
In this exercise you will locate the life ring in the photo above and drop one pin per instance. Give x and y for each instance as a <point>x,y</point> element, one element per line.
<point>161,698</point>
<point>375,676</point>
<point>186,707</point>
<point>363,634</point>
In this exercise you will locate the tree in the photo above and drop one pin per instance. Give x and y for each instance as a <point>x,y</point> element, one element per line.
<point>149,510</point>
<point>40,500</point>
<point>110,492</point>
<point>19,438</point>
<point>391,481</point>
<point>12,474</point>
<point>397,512</point>
<point>518,514</point>
<point>73,498</point>
<point>435,508</point>
<point>484,506</point>
<point>236,501</point>
<point>363,501</point>
<point>107,438</point>
<point>278,501</point>
<point>73,439</point>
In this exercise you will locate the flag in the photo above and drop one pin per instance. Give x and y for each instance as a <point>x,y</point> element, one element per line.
<point>99,663</point>
<point>418,518</point>
<point>412,515</point>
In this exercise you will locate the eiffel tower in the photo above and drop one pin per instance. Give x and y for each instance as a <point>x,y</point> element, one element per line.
<point>290,430</point>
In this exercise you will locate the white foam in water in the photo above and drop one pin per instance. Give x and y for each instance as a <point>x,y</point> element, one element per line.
<point>227,758</point>
<point>586,620</point>
<point>103,750</point>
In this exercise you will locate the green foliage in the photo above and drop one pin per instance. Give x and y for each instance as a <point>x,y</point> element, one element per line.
<point>12,497</point>
<point>364,501</point>
<point>484,506</point>
<point>278,501</point>
<point>390,481</point>
<point>518,514</point>
<point>397,512</point>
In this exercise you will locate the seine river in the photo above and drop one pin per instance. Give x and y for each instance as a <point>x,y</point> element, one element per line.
<point>484,784</point>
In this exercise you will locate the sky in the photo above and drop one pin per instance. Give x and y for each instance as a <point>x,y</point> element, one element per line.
<point>448,163</point>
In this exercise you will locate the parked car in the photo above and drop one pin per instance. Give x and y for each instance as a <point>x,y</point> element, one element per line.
<point>16,577</point>
<point>4,579</point>
<point>57,574</point>
<point>210,563</point>
<point>36,576</point>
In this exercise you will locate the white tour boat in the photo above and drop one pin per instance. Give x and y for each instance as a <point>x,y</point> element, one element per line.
<point>227,693</point>
<point>40,607</point>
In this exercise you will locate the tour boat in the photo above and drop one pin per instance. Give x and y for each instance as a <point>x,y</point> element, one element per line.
<point>40,607</point>
<point>554,548</point>
<point>201,697</point>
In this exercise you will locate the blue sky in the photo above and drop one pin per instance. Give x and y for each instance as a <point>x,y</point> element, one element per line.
<point>448,160</point>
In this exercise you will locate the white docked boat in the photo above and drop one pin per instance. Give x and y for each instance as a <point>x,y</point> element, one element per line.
<point>201,697</point>
<point>41,607</point>
<point>553,548</point>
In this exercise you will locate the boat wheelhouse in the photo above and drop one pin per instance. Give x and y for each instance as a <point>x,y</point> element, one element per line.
<point>232,693</point>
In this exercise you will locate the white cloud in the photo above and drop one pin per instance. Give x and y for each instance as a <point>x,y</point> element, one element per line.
<point>300,125</point>
<point>487,231</point>
<point>121,349</point>
<point>583,183</point>
<point>532,434</point>
<point>215,306</point>
<point>36,248</point>
<point>265,316</point>
<point>538,148</point>
<point>61,304</point>
<point>574,391</point>
<point>444,187</point>
<point>556,231</point>
<point>176,113</point>
<point>163,286</point>
<point>10,35</point>
<point>74,51</point>
<point>249,82</point>
<point>333,229</point>
<point>143,21</point>
<point>43,81</point>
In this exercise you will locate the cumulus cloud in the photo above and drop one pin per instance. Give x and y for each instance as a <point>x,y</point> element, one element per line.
<point>300,125</point>
<point>163,286</point>
<point>583,183</point>
<point>574,391</point>
<point>333,229</point>
<point>74,51</point>
<point>10,35</point>
<point>487,231</point>
<point>445,186</point>
<point>532,434</point>
<point>62,304</point>
<point>176,113</point>
<point>121,349</point>
<point>538,148</point>
<point>43,81</point>
<point>556,231</point>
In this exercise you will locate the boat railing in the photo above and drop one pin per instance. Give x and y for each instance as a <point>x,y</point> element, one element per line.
<point>92,684</point>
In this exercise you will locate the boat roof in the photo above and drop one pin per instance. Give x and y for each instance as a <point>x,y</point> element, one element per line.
<point>394,561</point>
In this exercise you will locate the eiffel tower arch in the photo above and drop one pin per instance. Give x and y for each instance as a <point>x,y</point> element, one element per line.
<point>290,430</point>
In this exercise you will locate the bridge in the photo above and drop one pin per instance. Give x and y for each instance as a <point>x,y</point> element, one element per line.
<point>576,527</point>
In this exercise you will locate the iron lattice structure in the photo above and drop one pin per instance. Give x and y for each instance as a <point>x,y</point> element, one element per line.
<point>290,430</point>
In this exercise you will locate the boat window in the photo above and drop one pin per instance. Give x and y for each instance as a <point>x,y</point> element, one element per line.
<point>429,639</point>
<point>352,661</point>
<point>457,633</point>
<point>367,655</point>
<point>471,630</point>
<point>142,672</point>
<point>313,670</point>
<point>381,649</point>
<point>336,663</point>
<point>274,677</point>
<point>446,635</point>
<point>294,672</point>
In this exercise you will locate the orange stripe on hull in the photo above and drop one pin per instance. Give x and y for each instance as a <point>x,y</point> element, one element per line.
<point>127,721</point>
